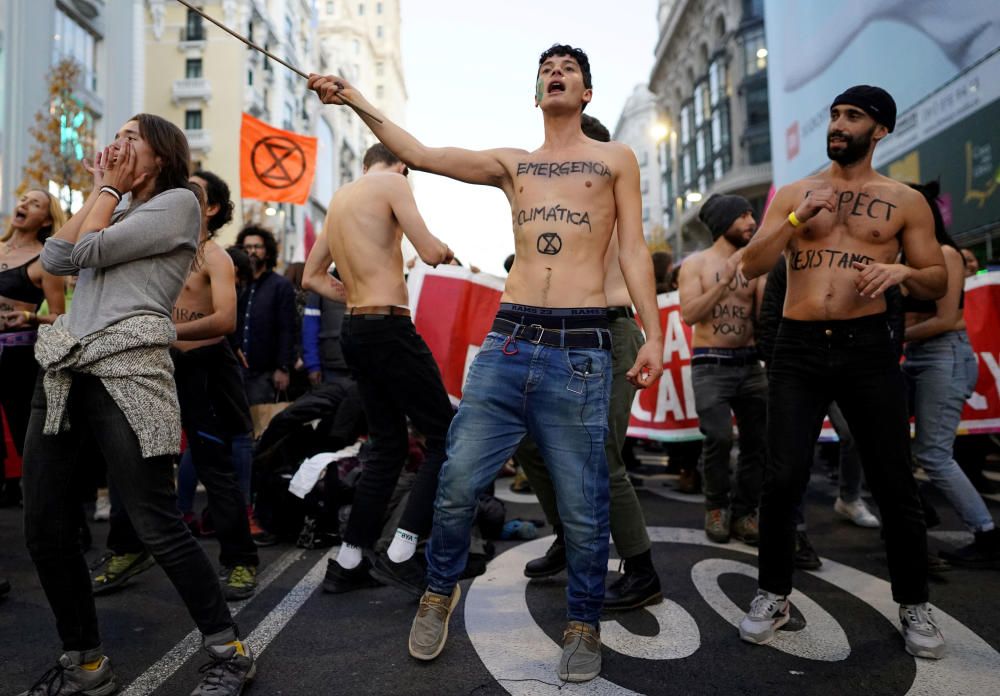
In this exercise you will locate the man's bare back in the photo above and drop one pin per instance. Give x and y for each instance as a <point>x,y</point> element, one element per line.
<point>364,227</point>
<point>863,228</point>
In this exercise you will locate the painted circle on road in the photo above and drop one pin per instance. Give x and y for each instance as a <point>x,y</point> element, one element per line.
<point>523,658</point>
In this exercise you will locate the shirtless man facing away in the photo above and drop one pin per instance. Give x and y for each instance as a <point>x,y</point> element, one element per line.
<point>726,372</point>
<point>396,374</point>
<point>841,232</point>
<point>545,367</point>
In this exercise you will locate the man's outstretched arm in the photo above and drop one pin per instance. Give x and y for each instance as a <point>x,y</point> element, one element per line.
<point>483,167</point>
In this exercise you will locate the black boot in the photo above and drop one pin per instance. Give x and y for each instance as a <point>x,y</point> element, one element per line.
<point>806,557</point>
<point>552,562</point>
<point>984,552</point>
<point>638,587</point>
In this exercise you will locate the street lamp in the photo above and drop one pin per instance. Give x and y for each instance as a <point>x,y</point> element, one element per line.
<point>694,197</point>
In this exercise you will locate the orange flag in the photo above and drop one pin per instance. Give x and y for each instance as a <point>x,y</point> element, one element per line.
<point>275,165</point>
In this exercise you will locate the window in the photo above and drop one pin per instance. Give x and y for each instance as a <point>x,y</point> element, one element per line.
<point>645,214</point>
<point>357,47</point>
<point>329,7</point>
<point>289,115</point>
<point>753,9</point>
<point>194,29</point>
<point>645,186</point>
<point>361,9</point>
<point>380,68</point>
<point>378,8</point>
<point>192,119</point>
<point>250,77</point>
<point>378,32</point>
<point>380,91</point>
<point>73,41</point>
<point>754,52</point>
<point>192,68</point>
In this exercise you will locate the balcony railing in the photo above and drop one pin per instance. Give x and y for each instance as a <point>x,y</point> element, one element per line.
<point>198,139</point>
<point>191,88</point>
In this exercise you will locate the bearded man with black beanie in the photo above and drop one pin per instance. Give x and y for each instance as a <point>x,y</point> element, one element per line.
<point>726,374</point>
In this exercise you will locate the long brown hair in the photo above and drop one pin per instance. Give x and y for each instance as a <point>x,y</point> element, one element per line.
<point>169,144</point>
<point>56,214</point>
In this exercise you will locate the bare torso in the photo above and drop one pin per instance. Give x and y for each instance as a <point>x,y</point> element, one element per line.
<point>615,288</point>
<point>864,228</point>
<point>365,242</point>
<point>730,323</point>
<point>195,300</point>
<point>14,259</point>
<point>563,213</point>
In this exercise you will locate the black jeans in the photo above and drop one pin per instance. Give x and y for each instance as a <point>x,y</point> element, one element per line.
<point>18,370</point>
<point>213,409</point>
<point>853,363</point>
<point>146,487</point>
<point>397,378</point>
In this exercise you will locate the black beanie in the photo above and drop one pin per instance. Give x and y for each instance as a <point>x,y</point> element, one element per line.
<point>719,212</point>
<point>874,101</point>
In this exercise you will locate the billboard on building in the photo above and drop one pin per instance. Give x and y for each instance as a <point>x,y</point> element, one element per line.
<point>816,50</point>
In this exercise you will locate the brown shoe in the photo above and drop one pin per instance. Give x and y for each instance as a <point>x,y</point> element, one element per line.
<point>689,482</point>
<point>717,525</point>
<point>745,529</point>
<point>430,626</point>
<point>581,657</point>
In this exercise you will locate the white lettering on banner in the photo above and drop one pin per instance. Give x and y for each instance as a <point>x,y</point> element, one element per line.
<point>993,367</point>
<point>674,340</point>
<point>638,411</point>
<point>667,400</point>
<point>692,411</point>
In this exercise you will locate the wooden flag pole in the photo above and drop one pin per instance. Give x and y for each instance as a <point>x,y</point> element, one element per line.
<point>270,55</point>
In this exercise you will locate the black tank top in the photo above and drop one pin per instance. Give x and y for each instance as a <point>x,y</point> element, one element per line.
<point>15,284</point>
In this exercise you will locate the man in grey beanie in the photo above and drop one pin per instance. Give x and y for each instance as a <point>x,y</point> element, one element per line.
<point>719,302</point>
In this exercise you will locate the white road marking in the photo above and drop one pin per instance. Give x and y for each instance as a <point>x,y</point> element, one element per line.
<point>279,617</point>
<point>158,673</point>
<point>496,608</point>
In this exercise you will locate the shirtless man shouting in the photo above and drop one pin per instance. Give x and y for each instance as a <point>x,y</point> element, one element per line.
<point>545,368</point>
<point>720,302</point>
<point>396,374</point>
<point>841,232</point>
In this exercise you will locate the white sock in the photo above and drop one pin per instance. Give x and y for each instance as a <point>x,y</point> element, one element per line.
<point>349,556</point>
<point>403,546</point>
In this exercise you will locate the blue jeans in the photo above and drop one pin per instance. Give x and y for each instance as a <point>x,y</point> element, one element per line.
<point>560,398</point>
<point>941,373</point>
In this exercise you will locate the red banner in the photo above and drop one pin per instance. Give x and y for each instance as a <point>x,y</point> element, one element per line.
<point>982,321</point>
<point>453,309</point>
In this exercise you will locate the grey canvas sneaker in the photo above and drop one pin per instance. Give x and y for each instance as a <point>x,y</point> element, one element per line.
<point>230,668</point>
<point>922,636</point>
<point>768,612</point>
<point>69,677</point>
<point>430,626</point>
<point>581,657</point>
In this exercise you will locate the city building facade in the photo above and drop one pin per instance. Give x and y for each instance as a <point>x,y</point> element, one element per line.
<point>640,126</point>
<point>34,37</point>
<point>710,81</point>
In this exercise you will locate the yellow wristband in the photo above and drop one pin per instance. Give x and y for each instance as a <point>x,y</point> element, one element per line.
<point>27,314</point>
<point>793,220</point>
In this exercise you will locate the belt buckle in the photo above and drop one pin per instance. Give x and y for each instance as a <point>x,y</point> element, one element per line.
<point>541,332</point>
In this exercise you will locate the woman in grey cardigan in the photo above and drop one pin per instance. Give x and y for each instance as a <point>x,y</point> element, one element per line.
<point>107,372</point>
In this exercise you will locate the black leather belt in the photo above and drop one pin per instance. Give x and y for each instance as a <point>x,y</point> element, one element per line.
<point>620,313</point>
<point>557,338</point>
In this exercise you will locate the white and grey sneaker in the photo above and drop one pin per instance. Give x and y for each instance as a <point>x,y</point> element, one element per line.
<point>768,612</point>
<point>857,512</point>
<point>922,636</point>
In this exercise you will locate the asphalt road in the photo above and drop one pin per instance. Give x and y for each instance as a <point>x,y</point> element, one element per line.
<point>503,638</point>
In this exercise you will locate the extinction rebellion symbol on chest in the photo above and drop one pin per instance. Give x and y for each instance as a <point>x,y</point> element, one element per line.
<point>549,243</point>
